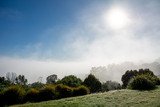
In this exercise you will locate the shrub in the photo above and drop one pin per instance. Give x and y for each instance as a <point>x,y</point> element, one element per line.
<point>47,93</point>
<point>32,95</point>
<point>13,95</point>
<point>141,82</point>
<point>63,91</point>
<point>153,78</point>
<point>130,74</point>
<point>71,81</point>
<point>81,90</point>
<point>37,85</point>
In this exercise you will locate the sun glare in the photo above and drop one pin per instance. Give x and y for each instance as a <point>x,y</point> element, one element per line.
<point>117,18</point>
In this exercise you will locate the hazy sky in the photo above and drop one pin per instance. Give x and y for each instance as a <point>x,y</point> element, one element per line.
<point>43,37</point>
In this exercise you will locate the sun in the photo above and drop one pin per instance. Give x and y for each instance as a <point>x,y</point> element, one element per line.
<point>117,18</point>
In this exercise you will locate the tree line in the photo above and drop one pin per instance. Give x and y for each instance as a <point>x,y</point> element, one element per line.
<point>14,89</point>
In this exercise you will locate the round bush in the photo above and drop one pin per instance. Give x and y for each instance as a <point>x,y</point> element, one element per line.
<point>153,78</point>
<point>13,95</point>
<point>63,91</point>
<point>141,82</point>
<point>81,90</point>
<point>32,95</point>
<point>47,93</point>
<point>71,81</point>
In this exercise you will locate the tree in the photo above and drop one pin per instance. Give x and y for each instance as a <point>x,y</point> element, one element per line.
<point>21,80</point>
<point>3,81</point>
<point>130,74</point>
<point>71,81</point>
<point>51,79</point>
<point>127,76</point>
<point>110,85</point>
<point>93,83</point>
<point>11,76</point>
<point>145,71</point>
<point>142,82</point>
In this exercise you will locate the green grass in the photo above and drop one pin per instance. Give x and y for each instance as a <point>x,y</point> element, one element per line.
<point>118,98</point>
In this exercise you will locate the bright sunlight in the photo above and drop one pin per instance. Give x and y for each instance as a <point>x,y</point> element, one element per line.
<point>117,18</point>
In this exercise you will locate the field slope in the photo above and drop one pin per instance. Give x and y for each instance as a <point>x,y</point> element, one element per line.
<point>118,98</point>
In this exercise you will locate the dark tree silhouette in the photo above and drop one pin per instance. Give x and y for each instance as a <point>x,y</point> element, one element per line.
<point>51,79</point>
<point>3,81</point>
<point>127,76</point>
<point>93,83</point>
<point>21,80</point>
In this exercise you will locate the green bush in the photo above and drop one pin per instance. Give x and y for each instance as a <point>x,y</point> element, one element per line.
<point>63,91</point>
<point>36,85</point>
<point>13,95</point>
<point>142,82</point>
<point>132,73</point>
<point>47,93</point>
<point>81,90</point>
<point>153,78</point>
<point>71,81</point>
<point>32,95</point>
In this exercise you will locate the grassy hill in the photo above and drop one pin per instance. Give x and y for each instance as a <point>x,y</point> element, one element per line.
<point>118,98</point>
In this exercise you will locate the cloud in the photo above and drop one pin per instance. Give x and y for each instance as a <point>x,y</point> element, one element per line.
<point>91,42</point>
<point>138,41</point>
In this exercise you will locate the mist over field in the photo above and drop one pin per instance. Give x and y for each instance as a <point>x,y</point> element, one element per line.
<point>34,69</point>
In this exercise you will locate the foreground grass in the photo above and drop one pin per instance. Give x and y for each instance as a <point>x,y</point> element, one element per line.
<point>118,98</point>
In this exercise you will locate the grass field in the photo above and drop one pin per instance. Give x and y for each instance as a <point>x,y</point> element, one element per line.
<point>118,98</point>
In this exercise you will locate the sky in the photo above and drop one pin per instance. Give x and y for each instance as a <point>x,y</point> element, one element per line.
<point>43,37</point>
